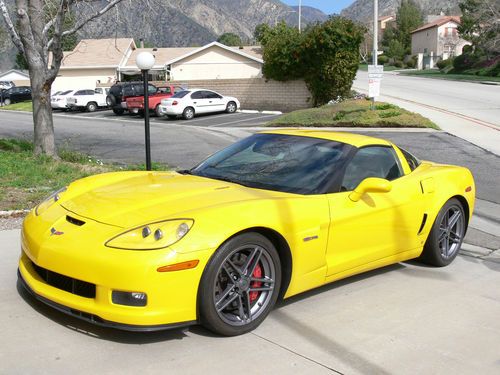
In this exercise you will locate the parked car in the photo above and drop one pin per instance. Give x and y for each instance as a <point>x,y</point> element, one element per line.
<point>16,94</point>
<point>189,103</point>
<point>135,104</point>
<point>5,85</point>
<point>119,92</point>
<point>88,99</point>
<point>59,99</point>
<point>275,214</point>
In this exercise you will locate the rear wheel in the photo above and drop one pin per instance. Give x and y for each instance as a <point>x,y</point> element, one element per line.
<point>158,111</point>
<point>118,112</point>
<point>240,285</point>
<point>231,107</point>
<point>188,113</point>
<point>446,236</point>
<point>91,107</point>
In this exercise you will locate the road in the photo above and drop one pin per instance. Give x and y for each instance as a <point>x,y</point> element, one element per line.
<point>402,319</point>
<point>468,110</point>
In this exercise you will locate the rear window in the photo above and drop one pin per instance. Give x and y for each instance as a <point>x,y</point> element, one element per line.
<point>181,94</point>
<point>65,92</point>
<point>116,90</point>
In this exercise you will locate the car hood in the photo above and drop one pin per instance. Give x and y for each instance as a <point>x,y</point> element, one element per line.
<point>154,196</point>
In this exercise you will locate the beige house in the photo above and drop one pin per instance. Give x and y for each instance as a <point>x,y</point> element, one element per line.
<point>438,38</point>
<point>93,61</point>
<point>383,23</point>
<point>212,61</point>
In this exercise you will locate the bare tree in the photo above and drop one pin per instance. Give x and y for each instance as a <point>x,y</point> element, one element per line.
<point>38,34</point>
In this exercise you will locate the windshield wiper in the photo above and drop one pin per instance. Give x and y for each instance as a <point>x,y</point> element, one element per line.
<point>227,179</point>
<point>185,171</point>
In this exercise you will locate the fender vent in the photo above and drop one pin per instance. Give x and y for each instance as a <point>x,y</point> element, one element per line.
<point>74,221</point>
<point>424,220</point>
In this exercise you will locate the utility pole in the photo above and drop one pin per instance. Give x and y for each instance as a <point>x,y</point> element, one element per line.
<point>300,14</point>
<point>375,32</point>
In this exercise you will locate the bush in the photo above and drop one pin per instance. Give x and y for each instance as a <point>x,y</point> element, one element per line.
<point>383,59</point>
<point>398,64</point>
<point>441,64</point>
<point>463,62</point>
<point>411,64</point>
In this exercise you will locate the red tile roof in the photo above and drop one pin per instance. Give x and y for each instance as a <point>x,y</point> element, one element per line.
<point>438,22</point>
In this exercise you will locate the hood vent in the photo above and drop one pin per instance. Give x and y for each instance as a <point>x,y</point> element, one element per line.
<point>74,221</point>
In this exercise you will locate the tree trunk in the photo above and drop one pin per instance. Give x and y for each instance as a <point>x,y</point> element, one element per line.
<point>42,117</point>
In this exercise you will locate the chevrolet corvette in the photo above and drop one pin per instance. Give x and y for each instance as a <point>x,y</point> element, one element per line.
<point>271,216</point>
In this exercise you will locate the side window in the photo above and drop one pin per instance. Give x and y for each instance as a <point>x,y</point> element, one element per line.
<point>212,95</point>
<point>152,89</point>
<point>98,90</point>
<point>197,95</point>
<point>412,161</point>
<point>372,161</point>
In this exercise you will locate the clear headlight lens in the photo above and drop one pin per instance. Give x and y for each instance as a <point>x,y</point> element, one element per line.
<point>152,236</point>
<point>50,200</point>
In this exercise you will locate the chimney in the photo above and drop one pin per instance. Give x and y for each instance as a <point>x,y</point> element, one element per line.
<point>141,43</point>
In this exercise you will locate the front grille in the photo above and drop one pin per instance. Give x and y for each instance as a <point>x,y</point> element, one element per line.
<point>75,286</point>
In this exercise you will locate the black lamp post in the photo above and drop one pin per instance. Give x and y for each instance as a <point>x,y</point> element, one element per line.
<point>145,61</point>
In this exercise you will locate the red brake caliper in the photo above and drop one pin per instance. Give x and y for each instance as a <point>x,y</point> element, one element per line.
<point>257,273</point>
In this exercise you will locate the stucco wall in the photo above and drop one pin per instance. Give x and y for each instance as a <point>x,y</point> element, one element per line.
<point>82,78</point>
<point>215,63</point>
<point>424,39</point>
<point>257,93</point>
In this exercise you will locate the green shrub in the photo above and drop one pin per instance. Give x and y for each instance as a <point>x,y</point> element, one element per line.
<point>388,114</point>
<point>441,64</point>
<point>411,64</point>
<point>383,59</point>
<point>384,106</point>
<point>398,64</point>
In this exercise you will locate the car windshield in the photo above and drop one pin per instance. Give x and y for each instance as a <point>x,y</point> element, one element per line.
<point>294,164</point>
<point>180,94</point>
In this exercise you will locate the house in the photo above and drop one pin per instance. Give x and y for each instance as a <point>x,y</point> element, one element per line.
<point>438,38</point>
<point>212,61</point>
<point>93,61</point>
<point>20,78</point>
<point>383,23</point>
<point>104,61</point>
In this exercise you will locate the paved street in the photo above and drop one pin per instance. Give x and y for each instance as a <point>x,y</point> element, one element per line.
<point>468,110</point>
<point>402,319</point>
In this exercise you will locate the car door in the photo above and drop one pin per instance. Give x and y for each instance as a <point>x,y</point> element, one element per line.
<point>199,102</point>
<point>380,224</point>
<point>215,101</point>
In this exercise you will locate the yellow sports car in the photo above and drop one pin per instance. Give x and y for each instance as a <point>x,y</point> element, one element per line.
<point>273,215</point>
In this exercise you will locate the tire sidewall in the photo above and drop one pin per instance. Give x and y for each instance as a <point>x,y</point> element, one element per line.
<point>228,106</point>
<point>185,113</point>
<point>91,107</point>
<point>208,314</point>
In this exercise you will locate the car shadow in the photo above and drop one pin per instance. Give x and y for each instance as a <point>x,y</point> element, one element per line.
<point>95,331</point>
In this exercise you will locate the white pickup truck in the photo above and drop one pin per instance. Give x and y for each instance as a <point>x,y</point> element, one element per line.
<point>88,99</point>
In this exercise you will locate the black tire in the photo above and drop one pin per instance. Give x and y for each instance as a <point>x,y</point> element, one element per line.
<point>158,111</point>
<point>172,117</point>
<point>233,272</point>
<point>110,100</point>
<point>92,107</point>
<point>446,236</point>
<point>118,112</point>
<point>7,101</point>
<point>231,107</point>
<point>188,113</point>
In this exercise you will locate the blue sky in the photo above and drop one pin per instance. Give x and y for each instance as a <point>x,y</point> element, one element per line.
<point>327,6</point>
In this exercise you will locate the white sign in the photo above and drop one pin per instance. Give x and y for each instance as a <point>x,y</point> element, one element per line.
<point>374,87</point>
<point>375,74</point>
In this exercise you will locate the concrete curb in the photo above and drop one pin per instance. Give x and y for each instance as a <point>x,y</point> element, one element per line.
<point>263,112</point>
<point>13,214</point>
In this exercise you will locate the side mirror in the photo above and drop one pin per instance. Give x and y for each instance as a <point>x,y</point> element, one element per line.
<point>370,185</point>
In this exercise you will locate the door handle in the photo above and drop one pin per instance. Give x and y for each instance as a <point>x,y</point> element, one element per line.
<point>210,101</point>
<point>194,102</point>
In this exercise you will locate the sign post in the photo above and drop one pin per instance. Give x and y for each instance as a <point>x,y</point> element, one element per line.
<point>375,74</point>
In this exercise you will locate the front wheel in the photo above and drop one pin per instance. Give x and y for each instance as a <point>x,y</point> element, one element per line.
<point>240,285</point>
<point>231,107</point>
<point>7,101</point>
<point>446,236</point>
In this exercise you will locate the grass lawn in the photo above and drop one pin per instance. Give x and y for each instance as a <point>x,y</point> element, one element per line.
<point>22,106</point>
<point>356,114</point>
<point>434,73</point>
<point>26,179</point>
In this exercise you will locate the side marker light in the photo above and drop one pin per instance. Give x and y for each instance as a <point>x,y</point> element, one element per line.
<point>179,266</point>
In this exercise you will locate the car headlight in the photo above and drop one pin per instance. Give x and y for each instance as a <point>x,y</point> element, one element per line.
<point>49,201</point>
<point>152,236</point>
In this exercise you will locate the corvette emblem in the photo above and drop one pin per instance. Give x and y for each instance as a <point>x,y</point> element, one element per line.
<point>55,232</point>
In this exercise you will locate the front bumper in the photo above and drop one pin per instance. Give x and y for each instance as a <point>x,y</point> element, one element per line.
<point>79,254</point>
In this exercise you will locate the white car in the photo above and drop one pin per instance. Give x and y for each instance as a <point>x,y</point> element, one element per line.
<point>189,103</point>
<point>89,99</point>
<point>58,100</point>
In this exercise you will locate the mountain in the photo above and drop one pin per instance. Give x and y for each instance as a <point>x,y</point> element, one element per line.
<point>362,10</point>
<point>177,23</point>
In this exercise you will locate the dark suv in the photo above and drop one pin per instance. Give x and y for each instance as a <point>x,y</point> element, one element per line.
<point>119,92</point>
<point>16,94</point>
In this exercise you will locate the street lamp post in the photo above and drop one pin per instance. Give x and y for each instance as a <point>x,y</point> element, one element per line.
<point>145,61</point>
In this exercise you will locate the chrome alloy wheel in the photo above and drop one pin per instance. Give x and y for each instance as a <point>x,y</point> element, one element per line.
<point>244,285</point>
<point>451,232</point>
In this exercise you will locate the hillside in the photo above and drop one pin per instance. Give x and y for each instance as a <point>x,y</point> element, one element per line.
<point>362,10</point>
<point>170,23</point>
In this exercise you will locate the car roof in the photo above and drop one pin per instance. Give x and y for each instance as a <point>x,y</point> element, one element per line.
<point>356,140</point>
